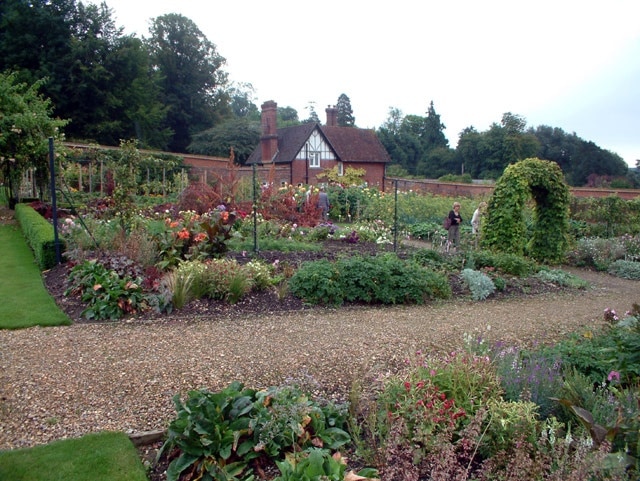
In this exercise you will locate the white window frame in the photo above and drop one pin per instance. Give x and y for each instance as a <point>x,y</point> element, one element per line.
<point>314,160</point>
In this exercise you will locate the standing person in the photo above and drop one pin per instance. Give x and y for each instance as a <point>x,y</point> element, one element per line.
<point>323,203</point>
<point>453,238</point>
<point>477,214</point>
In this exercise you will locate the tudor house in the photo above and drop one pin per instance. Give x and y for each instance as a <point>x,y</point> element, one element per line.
<point>302,152</point>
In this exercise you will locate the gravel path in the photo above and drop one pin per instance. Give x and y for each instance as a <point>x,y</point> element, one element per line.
<point>67,381</point>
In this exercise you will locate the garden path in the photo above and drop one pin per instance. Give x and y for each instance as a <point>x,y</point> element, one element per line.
<point>67,381</point>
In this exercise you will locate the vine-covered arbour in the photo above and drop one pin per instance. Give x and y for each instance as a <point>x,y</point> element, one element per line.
<point>505,229</point>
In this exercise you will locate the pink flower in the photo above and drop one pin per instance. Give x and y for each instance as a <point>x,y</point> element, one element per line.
<point>613,375</point>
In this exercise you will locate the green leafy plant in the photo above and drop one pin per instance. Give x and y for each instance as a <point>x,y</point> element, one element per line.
<point>480,285</point>
<point>226,279</point>
<point>382,279</point>
<point>288,419</point>
<point>625,269</point>
<point>313,464</point>
<point>212,434</point>
<point>317,282</point>
<point>513,264</point>
<point>108,295</point>
<point>561,278</point>
<point>217,435</point>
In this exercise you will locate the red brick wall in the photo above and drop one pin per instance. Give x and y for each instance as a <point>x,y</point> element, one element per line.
<point>449,189</point>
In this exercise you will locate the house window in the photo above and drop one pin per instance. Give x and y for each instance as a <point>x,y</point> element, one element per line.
<point>314,159</point>
<point>340,169</point>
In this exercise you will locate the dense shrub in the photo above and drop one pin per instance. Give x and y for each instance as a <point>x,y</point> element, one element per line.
<point>625,269</point>
<point>512,264</point>
<point>596,252</point>
<point>382,279</point>
<point>40,236</point>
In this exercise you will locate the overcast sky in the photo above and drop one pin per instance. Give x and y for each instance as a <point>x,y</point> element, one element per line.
<point>573,64</point>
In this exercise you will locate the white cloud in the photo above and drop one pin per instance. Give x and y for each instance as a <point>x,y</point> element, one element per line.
<point>475,60</point>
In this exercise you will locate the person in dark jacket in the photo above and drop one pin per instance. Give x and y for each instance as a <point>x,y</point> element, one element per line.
<point>453,238</point>
<point>323,203</point>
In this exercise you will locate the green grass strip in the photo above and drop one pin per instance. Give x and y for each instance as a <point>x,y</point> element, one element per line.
<point>25,300</point>
<point>106,456</point>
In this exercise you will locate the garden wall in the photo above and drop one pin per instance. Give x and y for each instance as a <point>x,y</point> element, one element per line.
<point>451,189</point>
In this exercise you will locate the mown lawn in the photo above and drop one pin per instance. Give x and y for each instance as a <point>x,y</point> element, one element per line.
<point>25,300</point>
<point>107,456</point>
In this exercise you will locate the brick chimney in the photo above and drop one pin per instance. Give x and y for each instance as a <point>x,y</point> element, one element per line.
<point>332,116</point>
<point>269,138</point>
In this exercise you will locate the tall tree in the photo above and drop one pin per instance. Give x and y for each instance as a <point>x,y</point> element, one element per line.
<point>313,115</point>
<point>240,134</point>
<point>400,136</point>
<point>287,117</point>
<point>345,112</point>
<point>241,97</point>
<point>192,77</point>
<point>26,123</point>
<point>98,79</point>
<point>35,42</point>
<point>577,158</point>
<point>517,144</point>
<point>468,152</point>
<point>433,134</point>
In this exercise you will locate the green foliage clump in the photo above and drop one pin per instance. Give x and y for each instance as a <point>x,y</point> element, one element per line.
<point>511,423</point>
<point>218,434</point>
<point>311,464</point>
<point>625,269</point>
<point>596,252</point>
<point>512,264</point>
<point>39,235</point>
<point>430,258</point>
<point>461,179</point>
<point>222,279</point>
<point>434,395</point>
<point>317,282</point>
<point>425,230</point>
<point>605,216</point>
<point>375,279</point>
<point>505,229</point>
<point>480,285</point>
<point>561,278</point>
<point>108,294</point>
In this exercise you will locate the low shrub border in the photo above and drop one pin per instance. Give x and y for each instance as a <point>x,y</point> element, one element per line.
<point>39,234</point>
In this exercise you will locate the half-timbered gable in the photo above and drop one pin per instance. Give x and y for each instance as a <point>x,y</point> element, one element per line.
<point>309,149</point>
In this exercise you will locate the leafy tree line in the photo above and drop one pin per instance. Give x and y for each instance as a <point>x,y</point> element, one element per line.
<point>419,148</point>
<point>110,86</point>
<point>168,91</point>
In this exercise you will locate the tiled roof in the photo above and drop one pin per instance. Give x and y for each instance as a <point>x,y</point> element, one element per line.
<point>350,144</point>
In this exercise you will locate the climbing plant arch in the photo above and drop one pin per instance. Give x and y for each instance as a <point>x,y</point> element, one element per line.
<point>505,229</point>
